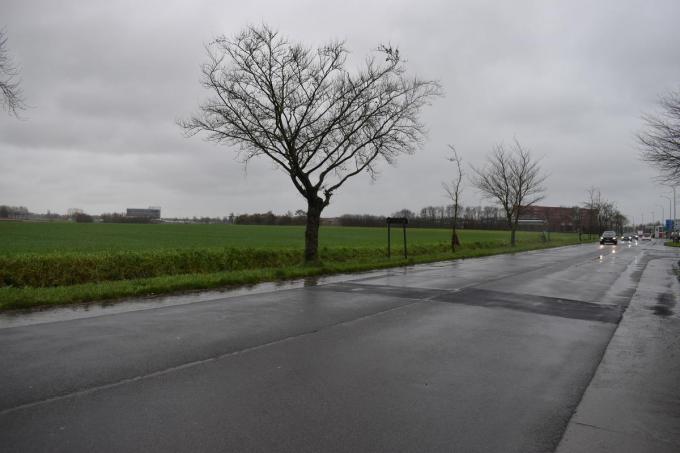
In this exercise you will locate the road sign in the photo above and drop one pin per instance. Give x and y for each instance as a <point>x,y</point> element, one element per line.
<point>403,221</point>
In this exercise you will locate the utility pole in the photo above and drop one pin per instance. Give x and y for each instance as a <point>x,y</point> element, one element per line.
<point>662,216</point>
<point>674,209</point>
<point>670,211</point>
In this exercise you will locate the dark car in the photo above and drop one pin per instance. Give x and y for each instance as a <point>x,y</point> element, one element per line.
<point>608,237</point>
<point>627,237</point>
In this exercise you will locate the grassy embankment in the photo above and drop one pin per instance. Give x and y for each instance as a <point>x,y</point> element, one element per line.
<point>56,263</point>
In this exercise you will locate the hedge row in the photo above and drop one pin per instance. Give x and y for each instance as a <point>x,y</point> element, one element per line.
<point>52,270</point>
<point>75,268</point>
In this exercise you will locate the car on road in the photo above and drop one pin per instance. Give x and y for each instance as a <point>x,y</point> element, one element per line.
<point>626,237</point>
<point>647,236</point>
<point>608,237</point>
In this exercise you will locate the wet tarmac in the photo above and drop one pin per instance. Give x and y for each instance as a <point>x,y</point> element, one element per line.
<point>490,354</point>
<point>633,402</point>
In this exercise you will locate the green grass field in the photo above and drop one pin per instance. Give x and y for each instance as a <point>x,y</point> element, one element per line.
<point>45,238</point>
<point>54,263</point>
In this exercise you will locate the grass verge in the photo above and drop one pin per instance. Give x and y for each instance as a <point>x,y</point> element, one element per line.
<point>334,261</point>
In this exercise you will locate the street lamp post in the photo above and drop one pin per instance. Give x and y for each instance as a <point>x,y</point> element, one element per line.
<point>662,216</point>
<point>674,209</point>
<point>670,211</point>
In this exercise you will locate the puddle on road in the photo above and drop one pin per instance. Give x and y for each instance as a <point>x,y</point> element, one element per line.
<point>40,315</point>
<point>311,281</point>
<point>635,276</point>
<point>664,305</point>
<point>15,318</point>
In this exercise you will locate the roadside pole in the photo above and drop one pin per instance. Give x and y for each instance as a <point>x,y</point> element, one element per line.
<point>670,212</point>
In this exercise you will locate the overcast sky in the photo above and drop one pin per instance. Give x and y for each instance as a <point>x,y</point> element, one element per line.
<point>106,82</point>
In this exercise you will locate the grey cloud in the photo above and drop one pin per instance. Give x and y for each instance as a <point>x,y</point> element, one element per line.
<point>108,80</point>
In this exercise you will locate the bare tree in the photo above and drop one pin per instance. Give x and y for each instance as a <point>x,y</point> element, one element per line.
<point>619,221</point>
<point>577,220</point>
<point>605,215</point>
<point>454,189</point>
<point>602,212</point>
<point>12,98</point>
<point>301,108</point>
<point>661,138</point>
<point>593,204</point>
<point>513,179</point>
<point>407,213</point>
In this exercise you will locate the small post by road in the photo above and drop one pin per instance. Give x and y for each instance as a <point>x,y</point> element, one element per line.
<point>403,221</point>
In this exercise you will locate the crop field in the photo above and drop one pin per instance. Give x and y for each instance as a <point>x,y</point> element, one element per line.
<point>45,238</point>
<point>52,263</point>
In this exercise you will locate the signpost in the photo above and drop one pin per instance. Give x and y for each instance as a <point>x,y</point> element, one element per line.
<point>403,221</point>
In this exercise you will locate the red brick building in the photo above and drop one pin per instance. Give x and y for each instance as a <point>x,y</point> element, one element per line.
<point>561,218</point>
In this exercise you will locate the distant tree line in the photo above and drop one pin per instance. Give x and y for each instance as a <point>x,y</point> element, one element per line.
<point>269,218</point>
<point>122,218</point>
<point>203,220</point>
<point>22,213</point>
<point>362,220</point>
<point>81,217</point>
<point>13,212</point>
<point>570,219</point>
<point>469,217</point>
<point>434,217</point>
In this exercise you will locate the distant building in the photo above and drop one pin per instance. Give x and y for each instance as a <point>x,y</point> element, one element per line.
<point>148,213</point>
<point>560,218</point>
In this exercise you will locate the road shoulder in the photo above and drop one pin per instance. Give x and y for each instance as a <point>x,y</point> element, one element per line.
<point>633,402</point>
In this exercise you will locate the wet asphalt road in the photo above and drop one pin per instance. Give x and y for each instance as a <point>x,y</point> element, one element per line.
<point>484,355</point>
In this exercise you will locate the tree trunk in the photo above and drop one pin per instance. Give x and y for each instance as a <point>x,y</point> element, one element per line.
<point>513,226</point>
<point>454,239</point>
<point>314,208</point>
